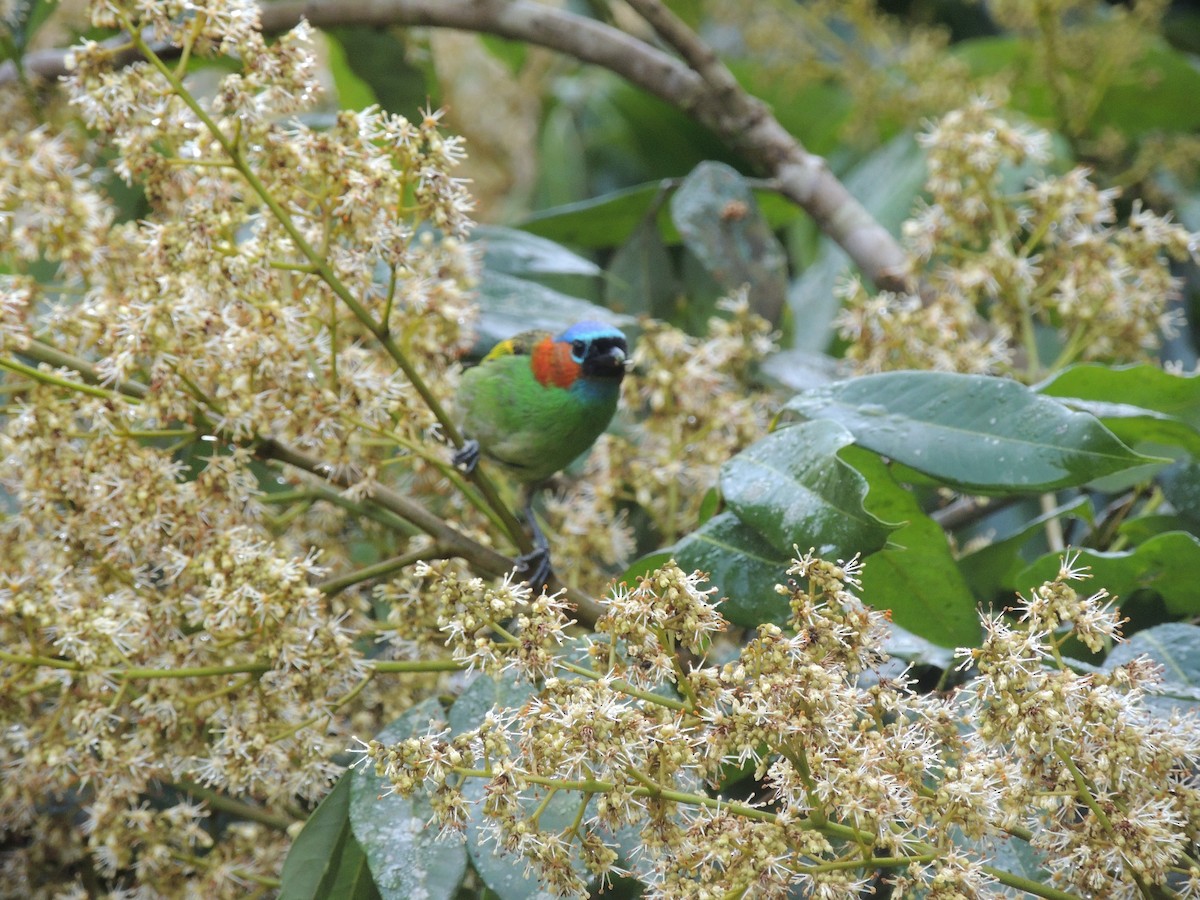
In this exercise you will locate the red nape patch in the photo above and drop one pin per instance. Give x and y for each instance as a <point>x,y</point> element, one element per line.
<point>552,364</point>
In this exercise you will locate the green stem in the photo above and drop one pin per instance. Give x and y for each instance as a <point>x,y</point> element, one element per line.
<point>56,381</point>
<point>378,570</point>
<point>43,352</point>
<point>238,808</point>
<point>403,666</point>
<point>248,668</point>
<point>624,687</point>
<point>1083,791</point>
<point>48,662</point>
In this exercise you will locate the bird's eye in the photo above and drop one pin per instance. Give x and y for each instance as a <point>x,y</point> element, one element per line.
<point>578,348</point>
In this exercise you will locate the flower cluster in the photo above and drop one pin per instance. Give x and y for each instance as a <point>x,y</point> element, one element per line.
<point>856,773</point>
<point>167,635</point>
<point>996,260</point>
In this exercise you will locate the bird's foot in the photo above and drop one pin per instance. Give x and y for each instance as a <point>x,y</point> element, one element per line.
<point>535,564</point>
<point>466,457</point>
<point>534,567</point>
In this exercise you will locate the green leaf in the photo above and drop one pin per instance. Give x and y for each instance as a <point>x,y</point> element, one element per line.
<point>401,844</point>
<point>641,277</point>
<point>610,219</point>
<point>814,112</point>
<point>520,253</point>
<point>326,860</point>
<point>1137,403</point>
<point>1136,426</point>
<point>743,564</point>
<point>709,504</point>
<point>987,435</point>
<point>1176,647</point>
<point>1141,529</point>
<point>511,53</point>
<point>1144,385</point>
<point>792,488</point>
<point>1180,484</point>
<point>380,59</point>
<point>1166,563</point>
<point>916,577</point>
<point>1156,93</point>
<point>902,644</point>
<point>509,305</point>
<point>994,568</point>
<point>24,19</point>
<point>719,220</point>
<point>605,221</point>
<point>352,91</point>
<point>644,566</point>
<point>562,172</point>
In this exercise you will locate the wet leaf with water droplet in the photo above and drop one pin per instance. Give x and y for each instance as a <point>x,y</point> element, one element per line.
<point>987,435</point>
<point>401,845</point>
<point>792,488</point>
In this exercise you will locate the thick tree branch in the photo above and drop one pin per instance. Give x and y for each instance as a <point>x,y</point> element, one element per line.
<point>701,87</point>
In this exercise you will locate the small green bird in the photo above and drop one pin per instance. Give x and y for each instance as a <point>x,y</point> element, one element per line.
<point>537,402</point>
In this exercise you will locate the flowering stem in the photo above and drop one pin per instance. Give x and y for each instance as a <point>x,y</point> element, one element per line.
<point>1028,885</point>
<point>192,671</point>
<point>402,666</point>
<point>799,760</point>
<point>327,711</point>
<point>378,570</point>
<point>43,352</point>
<point>48,378</point>
<point>1084,793</point>
<point>216,800</point>
<point>325,272</point>
<point>624,687</point>
<point>651,788</point>
<point>448,539</point>
<point>872,862</point>
<point>48,662</point>
<point>364,510</point>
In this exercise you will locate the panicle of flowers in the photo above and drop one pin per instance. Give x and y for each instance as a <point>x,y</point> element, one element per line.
<point>497,627</point>
<point>211,300</point>
<point>826,610</point>
<point>826,748</point>
<point>651,623</point>
<point>1081,48</point>
<point>165,627</point>
<point>995,258</point>
<point>1107,789</point>
<point>1073,763</point>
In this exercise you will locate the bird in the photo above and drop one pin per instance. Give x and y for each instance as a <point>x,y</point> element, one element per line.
<point>534,404</point>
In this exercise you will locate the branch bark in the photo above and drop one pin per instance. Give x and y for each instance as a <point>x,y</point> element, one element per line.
<point>448,541</point>
<point>699,85</point>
